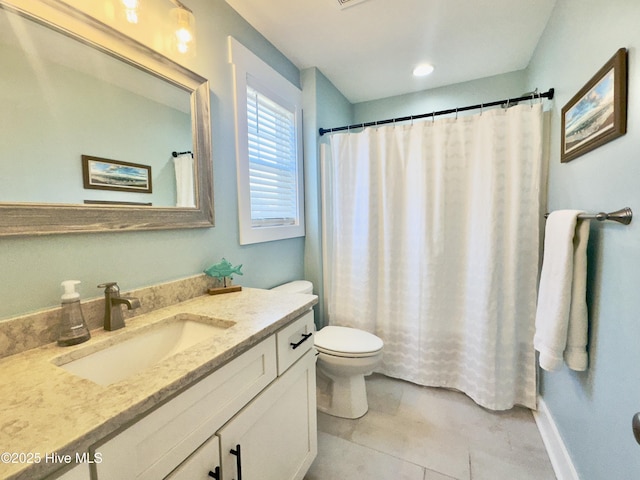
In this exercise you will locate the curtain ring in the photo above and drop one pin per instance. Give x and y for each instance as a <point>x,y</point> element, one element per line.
<point>481,108</point>
<point>507,107</point>
<point>433,117</point>
<point>456,113</point>
<point>533,96</point>
<point>539,97</point>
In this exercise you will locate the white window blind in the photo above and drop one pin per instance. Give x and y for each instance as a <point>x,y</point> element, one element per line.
<point>273,164</point>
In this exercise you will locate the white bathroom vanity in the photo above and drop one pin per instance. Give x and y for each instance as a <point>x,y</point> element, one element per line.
<point>240,404</point>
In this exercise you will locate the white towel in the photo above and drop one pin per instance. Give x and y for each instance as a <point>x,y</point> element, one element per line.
<point>184,181</point>
<point>561,315</point>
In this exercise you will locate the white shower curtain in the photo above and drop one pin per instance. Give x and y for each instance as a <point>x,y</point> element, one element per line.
<point>431,241</point>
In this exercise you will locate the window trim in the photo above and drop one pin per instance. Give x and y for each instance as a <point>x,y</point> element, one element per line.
<point>248,69</point>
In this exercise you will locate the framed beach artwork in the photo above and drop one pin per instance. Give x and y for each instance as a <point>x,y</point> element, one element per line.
<point>597,114</point>
<point>104,174</point>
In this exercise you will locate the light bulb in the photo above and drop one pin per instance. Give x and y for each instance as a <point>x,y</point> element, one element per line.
<point>131,16</point>
<point>132,9</point>
<point>184,35</point>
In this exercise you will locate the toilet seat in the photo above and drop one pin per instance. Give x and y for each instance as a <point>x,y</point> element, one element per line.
<point>347,342</point>
<point>347,355</point>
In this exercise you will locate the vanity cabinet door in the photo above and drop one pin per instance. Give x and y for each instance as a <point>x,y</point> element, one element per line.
<point>275,436</point>
<point>198,466</point>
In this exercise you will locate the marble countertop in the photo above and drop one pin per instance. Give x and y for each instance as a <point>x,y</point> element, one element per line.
<point>47,410</point>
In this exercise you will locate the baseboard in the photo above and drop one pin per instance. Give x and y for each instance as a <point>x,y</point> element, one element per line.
<point>558,454</point>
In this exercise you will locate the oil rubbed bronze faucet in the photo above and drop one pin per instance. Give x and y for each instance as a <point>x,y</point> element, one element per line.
<point>113,319</point>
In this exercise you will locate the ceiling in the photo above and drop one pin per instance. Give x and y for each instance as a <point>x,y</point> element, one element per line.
<point>369,49</point>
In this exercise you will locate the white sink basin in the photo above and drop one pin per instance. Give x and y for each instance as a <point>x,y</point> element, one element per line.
<point>141,350</point>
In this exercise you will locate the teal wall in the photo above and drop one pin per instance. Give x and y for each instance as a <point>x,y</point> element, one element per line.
<point>324,106</point>
<point>508,85</point>
<point>593,409</point>
<point>33,267</point>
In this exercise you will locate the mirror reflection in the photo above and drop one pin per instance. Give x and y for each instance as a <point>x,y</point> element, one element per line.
<point>89,126</point>
<point>63,100</point>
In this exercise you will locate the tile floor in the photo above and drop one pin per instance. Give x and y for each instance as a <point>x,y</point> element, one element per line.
<point>422,433</point>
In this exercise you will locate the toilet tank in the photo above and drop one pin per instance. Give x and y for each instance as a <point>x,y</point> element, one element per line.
<point>298,286</point>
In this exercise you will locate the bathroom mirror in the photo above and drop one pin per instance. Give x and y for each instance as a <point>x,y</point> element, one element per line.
<point>90,120</point>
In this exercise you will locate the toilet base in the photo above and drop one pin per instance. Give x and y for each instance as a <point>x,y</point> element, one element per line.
<point>344,397</point>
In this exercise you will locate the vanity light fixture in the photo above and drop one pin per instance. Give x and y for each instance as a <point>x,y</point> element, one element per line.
<point>131,10</point>
<point>185,24</point>
<point>422,70</point>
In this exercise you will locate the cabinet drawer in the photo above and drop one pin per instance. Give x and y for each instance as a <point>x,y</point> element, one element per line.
<point>159,442</point>
<point>200,463</point>
<point>294,340</point>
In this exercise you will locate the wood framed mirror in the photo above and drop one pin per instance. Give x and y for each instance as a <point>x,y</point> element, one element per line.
<point>103,95</point>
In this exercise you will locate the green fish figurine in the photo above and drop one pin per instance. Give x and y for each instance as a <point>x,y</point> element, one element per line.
<point>223,269</point>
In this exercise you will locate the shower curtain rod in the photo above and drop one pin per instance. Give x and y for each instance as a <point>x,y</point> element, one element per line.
<point>532,96</point>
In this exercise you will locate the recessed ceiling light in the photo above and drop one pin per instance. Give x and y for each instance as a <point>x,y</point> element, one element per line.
<point>422,70</point>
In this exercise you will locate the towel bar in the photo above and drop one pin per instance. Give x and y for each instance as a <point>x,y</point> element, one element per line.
<point>624,216</point>
<point>175,154</point>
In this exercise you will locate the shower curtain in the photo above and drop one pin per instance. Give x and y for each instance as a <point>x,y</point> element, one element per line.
<point>431,241</point>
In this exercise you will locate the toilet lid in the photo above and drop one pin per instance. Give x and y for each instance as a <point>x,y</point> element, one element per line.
<point>347,340</point>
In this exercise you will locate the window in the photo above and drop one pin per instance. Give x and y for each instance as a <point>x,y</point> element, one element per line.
<point>273,169</point>
<point>268,150</point>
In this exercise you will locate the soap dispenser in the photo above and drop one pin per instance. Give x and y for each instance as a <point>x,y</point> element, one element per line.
<point>73,329</point>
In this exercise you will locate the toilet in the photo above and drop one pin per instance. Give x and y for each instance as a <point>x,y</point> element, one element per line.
<point>345,356</point>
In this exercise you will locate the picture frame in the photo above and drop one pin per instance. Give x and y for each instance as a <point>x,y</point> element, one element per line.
<point>116,202</point>
<point>106,174</point>
<point>596,114</point>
